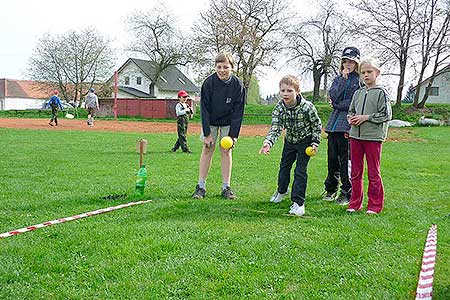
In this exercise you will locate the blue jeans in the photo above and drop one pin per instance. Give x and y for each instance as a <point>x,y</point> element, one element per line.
<point>292,153</point>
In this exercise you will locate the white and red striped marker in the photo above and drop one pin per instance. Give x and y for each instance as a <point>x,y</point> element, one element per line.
<point>76,217</point>
<point>425,284</point>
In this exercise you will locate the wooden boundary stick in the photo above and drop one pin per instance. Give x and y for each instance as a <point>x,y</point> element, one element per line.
<point>141,150</point>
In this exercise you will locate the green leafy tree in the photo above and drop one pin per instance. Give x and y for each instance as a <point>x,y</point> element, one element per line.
<point>253,93</point>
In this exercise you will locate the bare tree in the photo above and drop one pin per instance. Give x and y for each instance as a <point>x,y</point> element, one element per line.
<point>315,45</point>
<point>434,29</point>
<point>74,60</point>
<point>250,29</point>
<point>388,26</point>
<point>157,38</point>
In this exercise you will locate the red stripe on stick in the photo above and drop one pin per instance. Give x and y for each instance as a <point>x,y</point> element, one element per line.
<point>424,286</point>
<point>426,277</point>
<point>424,295</point>
<point>426,270</point>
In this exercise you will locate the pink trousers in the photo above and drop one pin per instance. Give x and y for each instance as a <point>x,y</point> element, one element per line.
<point>375,193</point>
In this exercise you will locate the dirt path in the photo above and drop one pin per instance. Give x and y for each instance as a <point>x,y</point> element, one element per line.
<point>122,126</point>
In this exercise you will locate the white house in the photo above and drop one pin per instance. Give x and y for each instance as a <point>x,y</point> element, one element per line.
<point>440,89</point>
<point>134,81</point>
<point>23,94</point>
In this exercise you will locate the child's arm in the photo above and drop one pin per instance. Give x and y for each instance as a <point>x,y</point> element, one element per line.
<point>336,91</point>
<point>275,130</point>
<point>352,107</point>
<point>205,103</point>
<point>384,112</point>
<point>316,126</point>
<point>58,101</point>
<point>238,113</point>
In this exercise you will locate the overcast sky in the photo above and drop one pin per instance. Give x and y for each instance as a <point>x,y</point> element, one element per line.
<point>23,23</point>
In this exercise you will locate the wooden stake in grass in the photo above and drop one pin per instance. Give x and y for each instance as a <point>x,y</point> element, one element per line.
<point>141,147</point>
<point>141,151</point>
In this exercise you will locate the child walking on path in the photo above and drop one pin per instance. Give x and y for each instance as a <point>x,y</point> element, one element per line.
<point>369,114</point>
<point>341,93</point>
<point>183,112</point>
<point>54,102</point>
<point>91,106</point>
<point>222,102</point>
<point>303,128</point>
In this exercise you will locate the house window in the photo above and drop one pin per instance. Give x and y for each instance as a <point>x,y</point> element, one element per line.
<point>181,80</point>
<point>138,80</point>
<point>434,91</point>
<point>127,80</point>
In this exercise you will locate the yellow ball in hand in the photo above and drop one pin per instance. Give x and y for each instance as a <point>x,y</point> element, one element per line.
<point>310,151</point>
<point>226,142</point>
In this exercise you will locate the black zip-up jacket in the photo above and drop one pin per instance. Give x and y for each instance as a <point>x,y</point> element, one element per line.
<point>222,104</point>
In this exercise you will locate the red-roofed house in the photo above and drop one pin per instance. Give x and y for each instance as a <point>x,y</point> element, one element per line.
<point>23,94</point>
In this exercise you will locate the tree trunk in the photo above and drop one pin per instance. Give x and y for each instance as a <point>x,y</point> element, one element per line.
<point>401,83</point>
<point>316,79</point>
<point>421,104</point>
<point>418,88</point>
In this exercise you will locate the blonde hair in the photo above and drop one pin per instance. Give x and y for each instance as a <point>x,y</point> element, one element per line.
<point>292,81</point>
<point>369,61</point>
<point>225,57</point>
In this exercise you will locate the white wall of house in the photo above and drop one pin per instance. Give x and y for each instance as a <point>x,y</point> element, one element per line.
<point>133,72</point>
<point>442,81</point>
<point>22,103</point>
<point>167,94</point>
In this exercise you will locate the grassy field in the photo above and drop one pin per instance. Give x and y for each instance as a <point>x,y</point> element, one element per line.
<point>180,248</point>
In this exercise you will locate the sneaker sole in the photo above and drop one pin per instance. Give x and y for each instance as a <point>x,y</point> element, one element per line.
<point>297,216</point>
<point>328,200</point>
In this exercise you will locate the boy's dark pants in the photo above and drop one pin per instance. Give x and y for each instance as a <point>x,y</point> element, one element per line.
<point>292,153</point>
<point>182,125</point>
<point>54,117</point>
<point>338,149</point>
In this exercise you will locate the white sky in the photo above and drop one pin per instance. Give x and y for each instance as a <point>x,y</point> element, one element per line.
<point>23,23</point>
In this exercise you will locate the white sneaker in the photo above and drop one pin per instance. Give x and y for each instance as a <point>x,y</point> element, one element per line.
<point>277,197</point>
<point>297,209</point>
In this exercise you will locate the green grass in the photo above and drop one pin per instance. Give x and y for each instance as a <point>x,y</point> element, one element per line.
<point>257,114</point>
<point>180,248</point>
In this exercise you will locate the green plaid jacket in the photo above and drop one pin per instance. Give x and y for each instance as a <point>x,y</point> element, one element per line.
<point>300,122</point>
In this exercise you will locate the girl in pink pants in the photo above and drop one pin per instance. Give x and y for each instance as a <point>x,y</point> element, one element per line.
<point>369,112</point>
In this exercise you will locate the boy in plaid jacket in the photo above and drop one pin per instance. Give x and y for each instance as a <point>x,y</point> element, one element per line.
<point>303,128</point>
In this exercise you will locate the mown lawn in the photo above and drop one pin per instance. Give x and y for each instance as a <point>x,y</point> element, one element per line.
<point>180,248</point>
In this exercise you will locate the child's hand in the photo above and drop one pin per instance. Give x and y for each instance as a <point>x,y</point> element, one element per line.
<point>358,120</point>
<point>265,149</point>
<point>330,102</point>
<point>345,73</point>
<point>207,141</point>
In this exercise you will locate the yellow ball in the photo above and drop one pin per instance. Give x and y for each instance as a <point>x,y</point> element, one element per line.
<point>310,151</point>
<point>226,142</point>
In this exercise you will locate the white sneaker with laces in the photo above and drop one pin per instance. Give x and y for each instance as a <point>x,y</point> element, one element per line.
<point>278,197</point>
<point>297,209</point>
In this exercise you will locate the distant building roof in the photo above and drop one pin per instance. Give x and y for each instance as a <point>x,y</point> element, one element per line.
<point>134,92</point>
<point>11,88</point>
<point>441,71</point>
<point>172,78</point>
